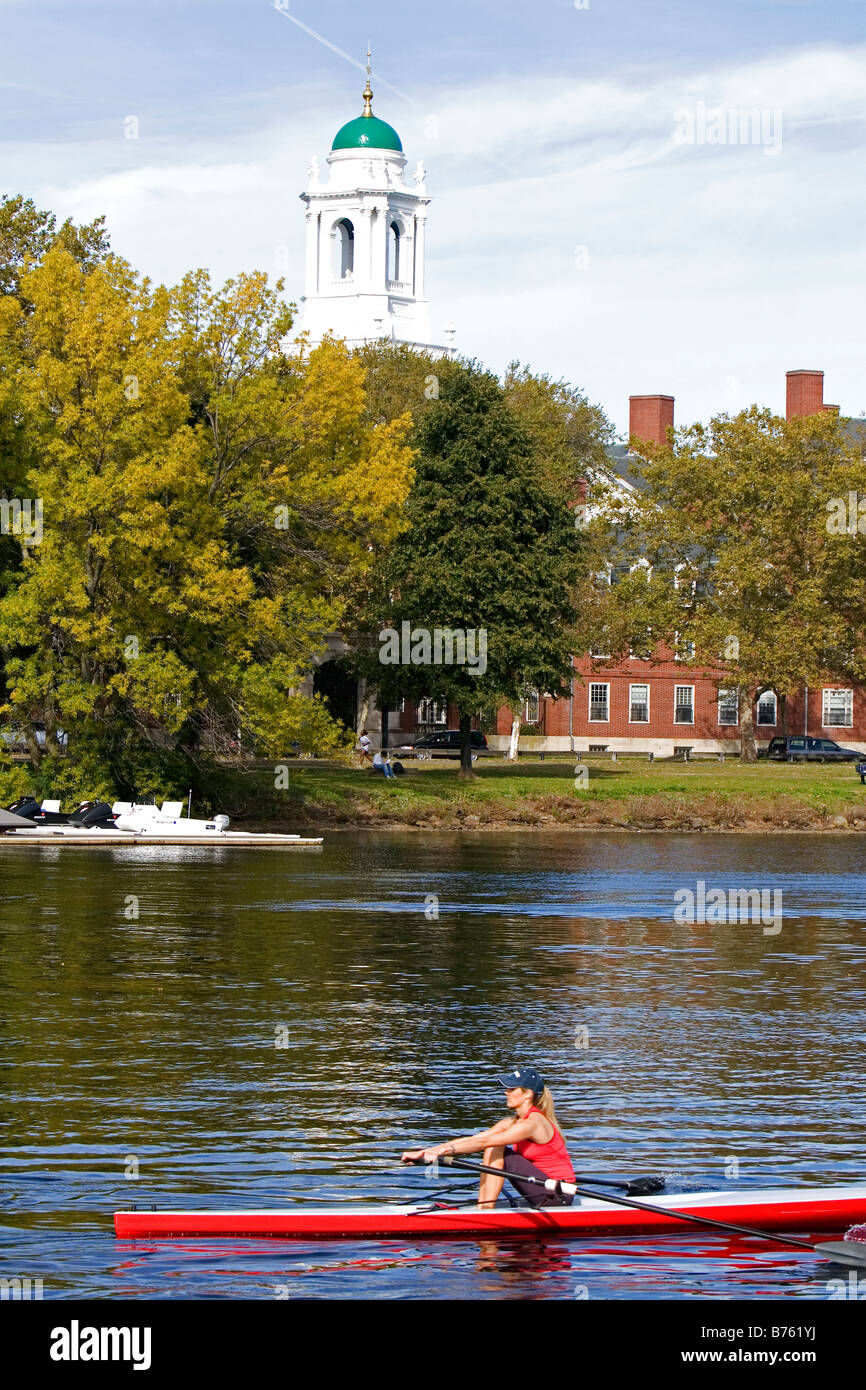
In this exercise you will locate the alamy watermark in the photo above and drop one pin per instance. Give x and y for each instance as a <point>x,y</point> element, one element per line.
<point>20,1289</point>
<point>854,1288</point>
<point>22,518</point>
<point>418,646</point>
<point>846,516</point>
<point>716,907</point>
<point>729,125</point>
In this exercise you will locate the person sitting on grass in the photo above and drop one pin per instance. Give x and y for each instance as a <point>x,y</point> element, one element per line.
<point>382,763</point>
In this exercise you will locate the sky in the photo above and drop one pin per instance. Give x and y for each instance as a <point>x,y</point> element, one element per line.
<point>588,218</point>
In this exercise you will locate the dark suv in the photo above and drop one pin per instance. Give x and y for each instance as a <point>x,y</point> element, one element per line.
<point>797,748</point>
<point>444,744</point>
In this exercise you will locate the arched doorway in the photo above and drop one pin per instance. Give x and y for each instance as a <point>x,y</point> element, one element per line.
<point>339,689</point>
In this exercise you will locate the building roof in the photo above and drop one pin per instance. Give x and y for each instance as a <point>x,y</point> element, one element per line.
<point>367,133</point>
<point>621,460</point>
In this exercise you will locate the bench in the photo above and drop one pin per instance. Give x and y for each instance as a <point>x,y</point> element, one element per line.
<point>703,757</point>
<point>615,755</point>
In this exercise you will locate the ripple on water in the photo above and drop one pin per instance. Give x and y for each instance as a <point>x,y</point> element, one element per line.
<point>275,1030</point>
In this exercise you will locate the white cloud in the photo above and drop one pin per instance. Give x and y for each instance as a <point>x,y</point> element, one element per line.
<point>706,263</point>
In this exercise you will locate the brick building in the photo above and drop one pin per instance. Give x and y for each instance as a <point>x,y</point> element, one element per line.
<point>661,705</point>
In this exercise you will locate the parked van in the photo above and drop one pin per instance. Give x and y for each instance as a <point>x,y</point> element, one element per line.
<point>797,748</point>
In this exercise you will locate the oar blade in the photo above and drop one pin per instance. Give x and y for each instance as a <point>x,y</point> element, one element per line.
<point>644,1187</point>
<point>843,1252</point>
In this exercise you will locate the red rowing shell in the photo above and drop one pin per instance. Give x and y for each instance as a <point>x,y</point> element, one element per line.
<point>781,1209</point>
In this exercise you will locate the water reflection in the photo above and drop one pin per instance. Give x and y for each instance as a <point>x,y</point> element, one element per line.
<point>708,1053</point>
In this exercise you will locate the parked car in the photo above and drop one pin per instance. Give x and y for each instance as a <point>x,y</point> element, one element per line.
<point>795,748</point>
<point>443,744</point>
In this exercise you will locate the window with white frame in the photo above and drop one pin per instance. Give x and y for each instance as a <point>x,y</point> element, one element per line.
<point>684,704</point>
<point>684,650</point>
<point>530,708</point>
<point>641,648</point>
<point>638,704</point>
<point>729,707</point>
<point>766,708</point>
<point>599,703</point>
<point>838,709</point>
<point>430,712</point>
<point>601,652</point>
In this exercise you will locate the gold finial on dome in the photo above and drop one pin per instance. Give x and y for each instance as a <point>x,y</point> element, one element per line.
<point>368,91</point>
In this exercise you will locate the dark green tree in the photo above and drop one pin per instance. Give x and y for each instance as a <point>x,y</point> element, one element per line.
<point>491,549</point>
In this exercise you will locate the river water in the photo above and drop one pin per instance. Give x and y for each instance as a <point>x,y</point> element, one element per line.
<point>200,1027</point>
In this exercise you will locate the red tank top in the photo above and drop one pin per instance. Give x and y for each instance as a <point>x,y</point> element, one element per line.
<point>552,1158</point>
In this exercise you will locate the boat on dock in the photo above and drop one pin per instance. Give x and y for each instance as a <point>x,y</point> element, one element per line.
<point>125,823</point>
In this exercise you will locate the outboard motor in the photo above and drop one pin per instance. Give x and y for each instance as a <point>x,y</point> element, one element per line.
<point>49,813</point>
<point>94,815</point>
<point>100,816</point>
<point>221,822</point>
<point>34,811</point>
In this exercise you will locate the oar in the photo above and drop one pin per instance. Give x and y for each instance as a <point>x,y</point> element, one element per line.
<point>637,1187</point>
<point>843,1251</point>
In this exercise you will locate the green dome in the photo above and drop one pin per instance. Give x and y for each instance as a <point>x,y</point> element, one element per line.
<point>367,133</point>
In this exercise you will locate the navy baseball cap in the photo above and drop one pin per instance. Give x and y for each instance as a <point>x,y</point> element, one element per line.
<point>527,1077</point>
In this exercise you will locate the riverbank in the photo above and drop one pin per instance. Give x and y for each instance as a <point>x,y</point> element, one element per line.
<point>765,797</point>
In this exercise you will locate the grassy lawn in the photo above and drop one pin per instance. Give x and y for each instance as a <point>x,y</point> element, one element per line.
<point>637,794</point>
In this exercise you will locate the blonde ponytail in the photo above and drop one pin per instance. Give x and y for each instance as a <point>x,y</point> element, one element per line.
<point>544,1103</point>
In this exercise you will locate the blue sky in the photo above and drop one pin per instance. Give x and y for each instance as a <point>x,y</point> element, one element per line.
<point>573,225</point>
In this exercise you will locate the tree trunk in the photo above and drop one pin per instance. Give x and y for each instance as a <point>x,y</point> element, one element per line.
<point>748,747</point>
<point>33,746</point>
<point>465,746</point>
<point>363,707</point>
<point>514,743</point>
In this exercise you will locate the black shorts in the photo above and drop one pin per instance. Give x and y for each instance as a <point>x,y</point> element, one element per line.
<point>535,1196</point>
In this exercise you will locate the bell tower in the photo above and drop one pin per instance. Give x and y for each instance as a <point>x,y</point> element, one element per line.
<point>366,238</point>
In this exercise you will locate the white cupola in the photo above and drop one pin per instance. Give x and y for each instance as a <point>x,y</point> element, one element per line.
<point>365,239</point>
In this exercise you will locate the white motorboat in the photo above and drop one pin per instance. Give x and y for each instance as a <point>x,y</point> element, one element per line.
<point>129,823</point>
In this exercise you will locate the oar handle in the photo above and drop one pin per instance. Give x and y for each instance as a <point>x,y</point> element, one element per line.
<point>645,1184</point>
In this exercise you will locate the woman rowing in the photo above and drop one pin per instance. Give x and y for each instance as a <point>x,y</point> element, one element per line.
<point>529,1144</point>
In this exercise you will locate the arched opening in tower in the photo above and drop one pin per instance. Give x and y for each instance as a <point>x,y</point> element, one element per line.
<point>343,244</point>
<point>394,250</point>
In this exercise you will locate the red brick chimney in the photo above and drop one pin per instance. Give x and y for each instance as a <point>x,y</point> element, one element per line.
<point>649,418</point>
<point>805,393</point>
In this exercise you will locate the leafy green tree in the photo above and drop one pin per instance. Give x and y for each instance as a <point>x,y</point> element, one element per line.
<point>27,235</point>
<point>729,548</point>
<point>570,436</point>
<point>490,549</point>
<point>210,507</point>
